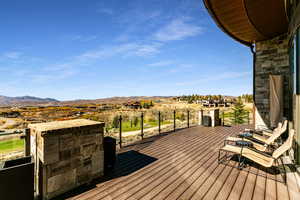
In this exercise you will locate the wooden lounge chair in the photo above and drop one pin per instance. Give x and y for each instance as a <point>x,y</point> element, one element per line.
<point>259,157</point>
<point>261,142</point>
<point>266,132</point>
<point>264,129</point>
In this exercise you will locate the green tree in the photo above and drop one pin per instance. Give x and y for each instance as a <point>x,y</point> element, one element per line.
<point>135,121</point>
<point>115,123</point>
<point>239,114</point>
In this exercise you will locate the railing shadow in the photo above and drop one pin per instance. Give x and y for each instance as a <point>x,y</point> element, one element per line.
<point>127,163</point>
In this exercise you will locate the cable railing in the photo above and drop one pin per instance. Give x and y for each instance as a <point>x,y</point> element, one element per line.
<point>14,144</point>
<point>229,118</point>
<point>128,128</point>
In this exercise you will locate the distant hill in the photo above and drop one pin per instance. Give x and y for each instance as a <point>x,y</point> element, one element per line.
<point>114,100</point>
<point>36,101</point>
<point>25,100</point>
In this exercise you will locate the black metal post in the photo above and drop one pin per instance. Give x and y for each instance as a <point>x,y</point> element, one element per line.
<point>188,119</point>
<point>142,125</point>
<point>223,118</point>
<point>174,120</point>
<point>248,117</point>
<point>159,122</point>
<point>120,129</point>
<point>235,118</point>
<point>27,142</point>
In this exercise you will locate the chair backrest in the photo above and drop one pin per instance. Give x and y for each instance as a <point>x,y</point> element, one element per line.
<point>277,132</point>
<point>279,125</point>
<point>285,146</point>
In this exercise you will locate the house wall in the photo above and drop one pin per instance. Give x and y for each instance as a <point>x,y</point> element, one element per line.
<point>272,58</point>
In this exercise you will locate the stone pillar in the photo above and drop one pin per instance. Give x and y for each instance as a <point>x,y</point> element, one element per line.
<point>67,155</point>
<point>272,58</point>
<point>214,114</point>
<point>200,117</point>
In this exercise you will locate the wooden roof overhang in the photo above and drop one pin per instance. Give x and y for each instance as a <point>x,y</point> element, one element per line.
<point>249,21</point>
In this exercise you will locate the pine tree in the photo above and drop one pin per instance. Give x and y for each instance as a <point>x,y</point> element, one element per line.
<point>115,122</point>
<point>239,114</point>
<point>135,121</point>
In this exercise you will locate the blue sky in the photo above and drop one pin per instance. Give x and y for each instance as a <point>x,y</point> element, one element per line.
<point>88,49</point>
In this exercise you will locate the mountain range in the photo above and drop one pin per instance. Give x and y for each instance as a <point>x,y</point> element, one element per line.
<point>25,100</point>
<point>34,101</point>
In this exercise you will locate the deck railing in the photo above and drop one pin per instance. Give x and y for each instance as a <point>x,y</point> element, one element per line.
<point>14,144</point>
<point>127,128</point>
<point>230,118</point>
<point>145,124</point>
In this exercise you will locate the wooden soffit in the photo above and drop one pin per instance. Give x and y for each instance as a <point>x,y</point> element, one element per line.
<point>249,21</point>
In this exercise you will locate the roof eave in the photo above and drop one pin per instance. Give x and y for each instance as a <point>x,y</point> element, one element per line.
<point>219,24</point>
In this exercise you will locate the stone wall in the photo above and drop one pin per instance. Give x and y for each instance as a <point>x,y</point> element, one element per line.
<point>68,154</point>
<point>272,58</point>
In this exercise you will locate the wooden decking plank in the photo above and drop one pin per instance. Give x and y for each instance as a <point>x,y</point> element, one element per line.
<point>226,189</point>
<point>206,185</point>
<point>199,181</point>
<point>187,162</point>
<point>123,187</point>
<point>282,191</point>
<point>291,181</point>
<point>260,186</point>
<point>216,187</point>
<point>168,186</point>
<point>136,175</point>
<point>249,186</point>
<point>297,176</point>
<point>292,186</point>
<point>188,171</point>
<point>238,187</point>
<point>271,193</point>
<point>159,178</point>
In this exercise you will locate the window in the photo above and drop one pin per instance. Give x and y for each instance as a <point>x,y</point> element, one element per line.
<point>295,62</point>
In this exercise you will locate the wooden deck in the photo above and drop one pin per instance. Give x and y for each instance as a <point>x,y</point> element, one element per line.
<point>183,165</point>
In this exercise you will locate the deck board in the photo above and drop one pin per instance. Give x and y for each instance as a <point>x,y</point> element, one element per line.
<point>183,165</point>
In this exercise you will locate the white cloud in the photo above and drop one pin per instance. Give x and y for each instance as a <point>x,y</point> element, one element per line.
<point>106,11</point>
<point>214,77</point>
<point>46,77</point>
<point>161,63</point>
<point>125,50</point>
<point>83,38</point>
<point>13,54</point>
<point>177,29</point>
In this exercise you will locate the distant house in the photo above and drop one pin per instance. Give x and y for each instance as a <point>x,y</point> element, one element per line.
<point>12,114</point>
<point>133,105</point>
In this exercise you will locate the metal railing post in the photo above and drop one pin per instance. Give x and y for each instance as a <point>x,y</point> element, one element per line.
<point>223,118</point>
<point>248,118</point>
<point>188,119</point>
<point>120,131</point>
<point>142,125</point>
<point>174,116</point>
<point>159,130</point>
<point>235,121</point>
<point>27,142</point>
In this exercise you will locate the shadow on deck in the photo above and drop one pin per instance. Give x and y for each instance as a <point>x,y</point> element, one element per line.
<point>127,163</point>
<point>183,165</point>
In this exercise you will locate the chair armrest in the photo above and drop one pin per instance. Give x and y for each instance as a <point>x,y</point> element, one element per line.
<point>267,133</point>
<point>255,140</point>
<point>260,152</point>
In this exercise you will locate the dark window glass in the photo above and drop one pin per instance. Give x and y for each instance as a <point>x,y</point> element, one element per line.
<point>297,64</point>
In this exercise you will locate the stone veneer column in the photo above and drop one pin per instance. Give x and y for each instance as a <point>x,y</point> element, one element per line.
<point>67,154</point>
<point>272,58</point>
